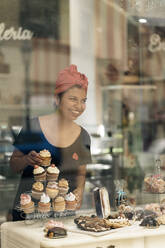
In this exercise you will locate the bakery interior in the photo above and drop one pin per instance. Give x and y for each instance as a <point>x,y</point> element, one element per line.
<point>120,45</point>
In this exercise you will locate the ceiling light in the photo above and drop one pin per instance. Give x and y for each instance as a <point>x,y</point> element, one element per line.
<point>142,20</point>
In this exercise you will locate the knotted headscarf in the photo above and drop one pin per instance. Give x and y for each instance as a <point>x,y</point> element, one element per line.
<point>69,77</point>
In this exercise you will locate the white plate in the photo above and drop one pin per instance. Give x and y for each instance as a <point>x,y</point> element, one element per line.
<point>75,229</point>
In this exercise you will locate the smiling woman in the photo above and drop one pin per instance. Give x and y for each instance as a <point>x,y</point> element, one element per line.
<point>68,142</point>
<point>72,103</point>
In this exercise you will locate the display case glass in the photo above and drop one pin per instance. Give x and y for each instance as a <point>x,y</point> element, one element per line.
<point>120,46</point>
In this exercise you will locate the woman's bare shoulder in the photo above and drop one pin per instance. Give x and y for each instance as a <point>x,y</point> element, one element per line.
<point>45,118</point>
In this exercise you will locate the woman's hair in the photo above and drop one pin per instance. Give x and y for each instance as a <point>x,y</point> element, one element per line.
<point>68,78</point>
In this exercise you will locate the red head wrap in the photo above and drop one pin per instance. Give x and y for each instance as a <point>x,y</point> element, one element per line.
<point>69,77</point>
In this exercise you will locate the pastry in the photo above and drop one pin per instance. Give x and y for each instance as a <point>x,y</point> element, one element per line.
<point>81,218</point>
<point>126,211</point>
<point>44,203</point>
<point>117,223</point>
<point>46,157</point>
<point>59,204</point>
<point>52,189</point>
<point>97,224</point>
<point>39,173</point>
<point>52,173</point>
<point>52,223</point>
<point>37,190</point>
<point>56,232</point>
<point>70,200</point>
<point>63,186</point>
<point>27,205</point>
<point>154,208</point>
<point>94,224</point>
<point>154,184</point>
<point>101,200</point>
<point>150,222</point>
<point>139,214</point>
<point>161,219</point>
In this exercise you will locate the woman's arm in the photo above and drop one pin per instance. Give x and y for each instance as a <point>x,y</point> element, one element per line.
<point>80,182</point>
<point>19,160</point>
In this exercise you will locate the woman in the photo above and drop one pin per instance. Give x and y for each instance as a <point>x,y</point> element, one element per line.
<point>68,143</point>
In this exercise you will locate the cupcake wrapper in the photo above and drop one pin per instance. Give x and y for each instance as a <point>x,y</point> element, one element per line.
<point>52,177</point>
<point>36,195</point>
<point>63,191</point>
<point>29,208</point>
<point>59,207</point>
<point>46,162</point>
<point>52,193</point>
<point>40,178</point>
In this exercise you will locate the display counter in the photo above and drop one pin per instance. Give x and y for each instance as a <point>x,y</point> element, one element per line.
<point>21,234</point>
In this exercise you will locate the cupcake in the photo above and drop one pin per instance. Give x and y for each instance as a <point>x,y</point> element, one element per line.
<point>52,189</point>
<point>37,190</point>
<point>59,204</point>
<point>39,173</point>
<point>52,173</point>
<point>27,205</point>
<point>46,157</point>
<point>63,186</point>
<point>44,203</point>
<point>70,200</point>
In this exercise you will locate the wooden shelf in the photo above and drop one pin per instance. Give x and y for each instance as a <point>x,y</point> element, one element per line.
<point>130,79</point>
<point>133,87</point>
<point>12,106</point>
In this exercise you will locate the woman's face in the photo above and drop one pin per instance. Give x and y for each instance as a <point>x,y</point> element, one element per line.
<point>73,103</point>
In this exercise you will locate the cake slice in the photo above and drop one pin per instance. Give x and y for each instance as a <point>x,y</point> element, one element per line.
<point>102,204</point>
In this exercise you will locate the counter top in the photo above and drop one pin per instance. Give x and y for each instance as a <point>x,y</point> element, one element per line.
<point>18,234</point>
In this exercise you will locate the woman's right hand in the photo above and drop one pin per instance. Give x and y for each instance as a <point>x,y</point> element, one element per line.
<point>33,158</point>
<point>19,160</point>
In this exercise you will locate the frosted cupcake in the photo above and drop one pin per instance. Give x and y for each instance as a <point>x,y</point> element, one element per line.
<point>46,157</point>
<point>59,204</point>
<point>37,190</point>
<point>70,200</point>
<point>27,205</point>
<point>44,204</point>
<point>63,186</point>
<point>52,173</point>
<point>39,173</point>
<point>52,189</point>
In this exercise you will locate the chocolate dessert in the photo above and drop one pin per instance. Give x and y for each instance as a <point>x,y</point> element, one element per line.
<point>102,204</point>
<point>96,224</point>
<point>150,222</point>
<point>56,232</point>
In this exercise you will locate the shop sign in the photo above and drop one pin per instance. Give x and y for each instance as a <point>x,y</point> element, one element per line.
<point>156,44</point>
<point>15,34</point>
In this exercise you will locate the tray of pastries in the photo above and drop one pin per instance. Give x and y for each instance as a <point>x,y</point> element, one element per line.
<point>95,226</point>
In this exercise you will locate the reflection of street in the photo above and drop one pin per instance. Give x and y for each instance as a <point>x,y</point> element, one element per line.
<point>157,146</point>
